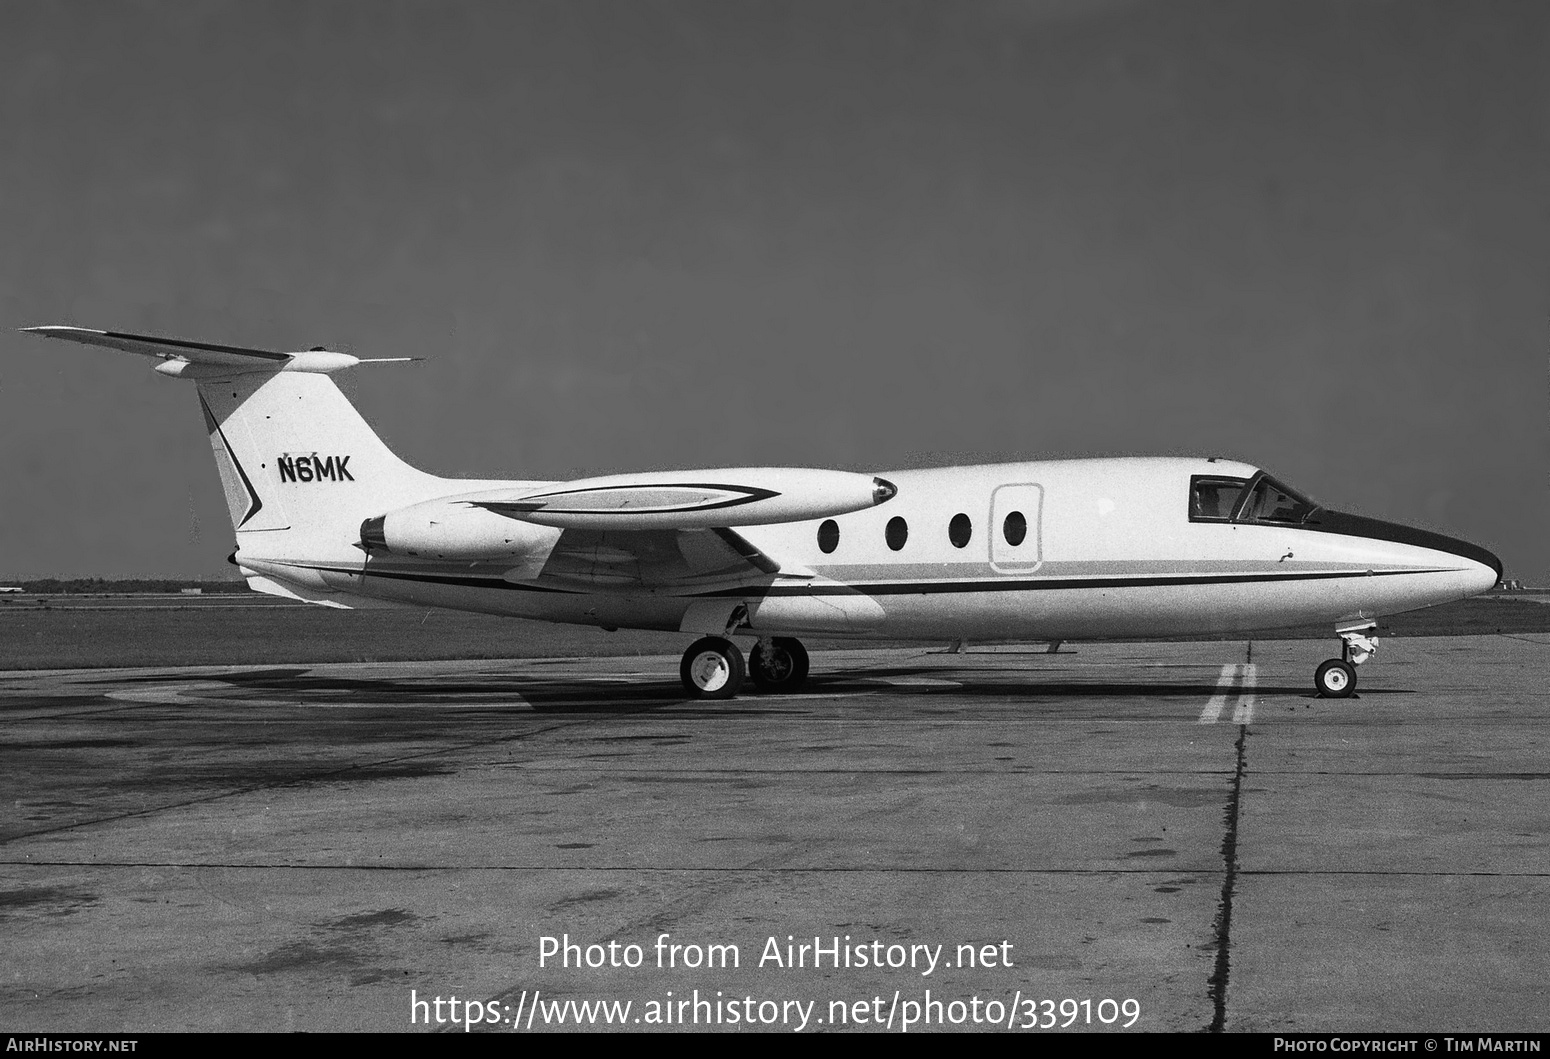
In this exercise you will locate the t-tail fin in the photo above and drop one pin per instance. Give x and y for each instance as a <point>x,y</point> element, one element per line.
<point>299,466</point>
<point>294,454</point>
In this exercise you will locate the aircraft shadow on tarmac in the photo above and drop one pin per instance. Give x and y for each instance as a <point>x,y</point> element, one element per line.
<point>582,694</point>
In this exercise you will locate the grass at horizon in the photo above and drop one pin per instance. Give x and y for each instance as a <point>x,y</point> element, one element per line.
<point>68,637</point>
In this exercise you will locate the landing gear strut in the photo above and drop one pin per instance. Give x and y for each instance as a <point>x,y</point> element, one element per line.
<point>778,664</point>
<point>712,668</point>
<point>1336,678</point>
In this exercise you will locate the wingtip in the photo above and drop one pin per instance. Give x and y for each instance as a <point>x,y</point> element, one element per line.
<point>55,330</point>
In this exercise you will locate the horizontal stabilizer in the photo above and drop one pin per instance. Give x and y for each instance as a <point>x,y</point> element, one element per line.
<point>182,358</point>
<point>146,345</point>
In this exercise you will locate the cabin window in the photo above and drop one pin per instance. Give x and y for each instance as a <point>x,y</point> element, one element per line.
<point>1015,528</point>
<point>959,530</point>
<point>1214,499</point>
<point>897,533</point>
<point>828,536</point>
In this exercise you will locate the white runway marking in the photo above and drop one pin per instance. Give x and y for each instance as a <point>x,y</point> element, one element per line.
<point>1245,678</point>
<point>1224,684</point>
<point>1243,712</point>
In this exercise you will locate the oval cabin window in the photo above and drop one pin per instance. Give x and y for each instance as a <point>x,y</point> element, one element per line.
<point>1015,528</point>
<point>897,533</point>
<point>959,530</point>
<point>828,536</point>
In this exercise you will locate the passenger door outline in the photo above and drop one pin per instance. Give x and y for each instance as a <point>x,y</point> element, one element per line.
<point>1028,555</point>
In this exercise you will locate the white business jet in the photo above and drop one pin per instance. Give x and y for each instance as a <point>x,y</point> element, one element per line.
<point>1060,550</point>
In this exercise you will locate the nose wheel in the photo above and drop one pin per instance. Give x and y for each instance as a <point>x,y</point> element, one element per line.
<point>712,668</point>
<point>1336,678</point>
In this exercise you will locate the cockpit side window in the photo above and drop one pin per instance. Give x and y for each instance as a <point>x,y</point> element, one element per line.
<point>1214,499</point>
<point>1273,502</point>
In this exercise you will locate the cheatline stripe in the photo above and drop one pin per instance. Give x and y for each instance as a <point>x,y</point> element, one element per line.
<point>898,588</point>
<point>893,588</point>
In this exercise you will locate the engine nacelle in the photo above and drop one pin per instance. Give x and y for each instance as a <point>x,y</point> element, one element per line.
<point>455,530</point>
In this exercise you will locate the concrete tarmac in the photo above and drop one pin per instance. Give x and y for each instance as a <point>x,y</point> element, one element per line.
<point>1174,836</point>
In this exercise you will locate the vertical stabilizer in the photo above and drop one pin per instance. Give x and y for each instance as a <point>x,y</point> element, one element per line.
<point>294,455</point>
<point>249,510</point>
<point>299,467</point>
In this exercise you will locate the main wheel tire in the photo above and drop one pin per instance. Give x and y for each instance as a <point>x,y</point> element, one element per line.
<point>779,664</point>
<point>712,668</point>
<point>1335,679</point>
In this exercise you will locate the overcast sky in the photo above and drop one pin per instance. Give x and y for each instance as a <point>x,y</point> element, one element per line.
<point>631,235</point>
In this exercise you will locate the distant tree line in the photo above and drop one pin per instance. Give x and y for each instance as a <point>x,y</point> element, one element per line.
<point>103,586</point>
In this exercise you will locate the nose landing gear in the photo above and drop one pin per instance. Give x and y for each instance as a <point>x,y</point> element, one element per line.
<point>1336,678</point>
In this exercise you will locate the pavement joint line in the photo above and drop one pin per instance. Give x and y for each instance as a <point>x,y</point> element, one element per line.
<point>884,870</point>
<point>693,869</point>
<point>1218,982</point>
<point>666,712</point>
<point>1393,872</point>
<point>611,771</point>
<point>1014,717</point>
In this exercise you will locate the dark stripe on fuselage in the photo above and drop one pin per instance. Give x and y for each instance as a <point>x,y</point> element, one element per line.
<point>893,588</point>
<point>1044,584</point>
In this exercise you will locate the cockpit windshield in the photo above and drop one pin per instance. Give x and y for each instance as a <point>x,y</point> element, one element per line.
<point>1273,502</point>
<point>1260,499</point>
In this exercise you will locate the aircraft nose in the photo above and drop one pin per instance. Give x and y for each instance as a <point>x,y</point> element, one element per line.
<point>1487,565</point>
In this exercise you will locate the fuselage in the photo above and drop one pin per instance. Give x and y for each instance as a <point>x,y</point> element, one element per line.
<point>324,511</point>
<point>1068,549</point>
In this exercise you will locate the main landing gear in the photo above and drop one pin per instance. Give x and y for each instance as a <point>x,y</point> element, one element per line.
<point>713,667</point>
<point>779,664</point>
<point>1336,678</point>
